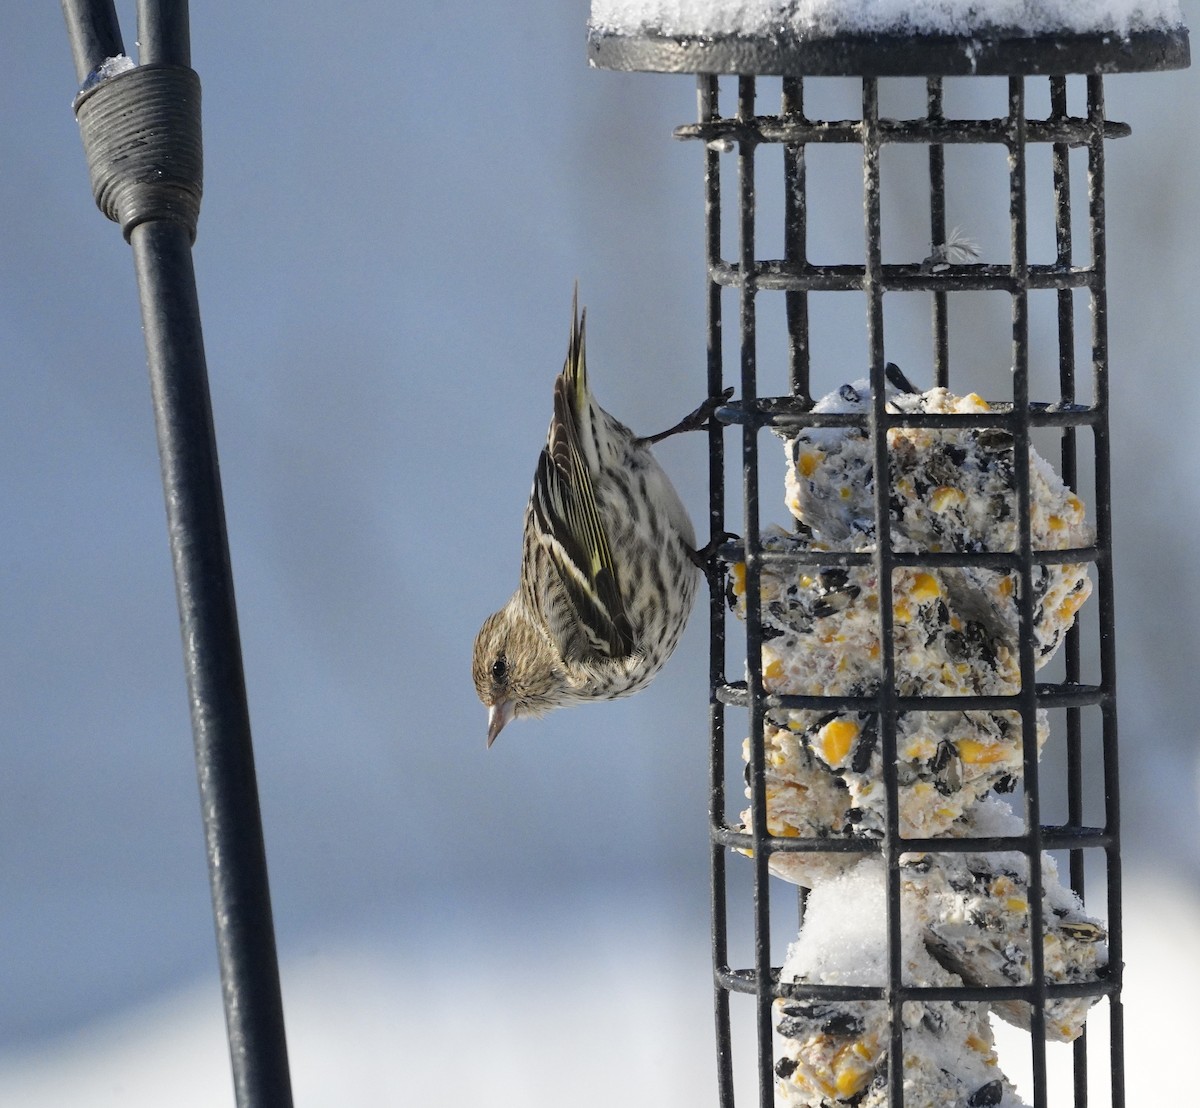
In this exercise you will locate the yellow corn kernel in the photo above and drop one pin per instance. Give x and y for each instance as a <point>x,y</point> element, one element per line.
<point>807,462</point>
<point>977,1044</point>
<point>1006,586</point>
<point>901,612</point>
<point>1068,608</point>
<point>973,402</point>
<point>852,1069</point>
<point>737,574</point>
<point>774,671</point>
<point>1016,904</point>
<point>919,749</point>
<point>817,1082</point>
<point>976,753</point>
<point>1055,523</point>
<point>925,587</point>
<point>835,740</point>
<point>850,1079</point>
<point>845,492</point>
<point>946,496</point>
<point>1075,504</point>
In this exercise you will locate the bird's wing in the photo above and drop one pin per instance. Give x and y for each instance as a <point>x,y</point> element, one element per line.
<point>569,527</point>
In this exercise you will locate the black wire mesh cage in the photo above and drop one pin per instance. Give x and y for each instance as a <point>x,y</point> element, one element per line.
<point>942,588</point>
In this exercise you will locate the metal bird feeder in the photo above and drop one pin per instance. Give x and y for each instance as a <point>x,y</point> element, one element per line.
<point>1064,411</point>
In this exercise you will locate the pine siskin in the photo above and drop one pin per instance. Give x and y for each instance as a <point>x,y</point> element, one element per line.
<point>608,568</point>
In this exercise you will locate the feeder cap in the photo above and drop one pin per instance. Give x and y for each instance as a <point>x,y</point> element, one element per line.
<point>857,38</point>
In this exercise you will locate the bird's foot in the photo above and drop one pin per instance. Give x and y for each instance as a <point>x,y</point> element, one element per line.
<point>694,421</point>
<point>706,558</point>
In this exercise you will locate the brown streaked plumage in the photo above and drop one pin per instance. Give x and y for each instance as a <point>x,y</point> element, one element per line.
<point>609,567</point>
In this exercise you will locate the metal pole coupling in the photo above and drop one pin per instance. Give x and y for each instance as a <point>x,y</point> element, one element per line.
<point>141,134</point>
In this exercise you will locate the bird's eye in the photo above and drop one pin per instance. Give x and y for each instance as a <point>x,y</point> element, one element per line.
<point>500,668</point>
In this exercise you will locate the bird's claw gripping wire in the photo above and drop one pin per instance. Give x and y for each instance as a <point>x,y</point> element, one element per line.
<point>708,557</point>
<point>693,421</point>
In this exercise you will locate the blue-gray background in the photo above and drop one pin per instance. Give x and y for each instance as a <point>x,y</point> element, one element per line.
<point>397,201</point>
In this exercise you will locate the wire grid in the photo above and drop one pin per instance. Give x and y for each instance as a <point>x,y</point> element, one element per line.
<point>796,277</point>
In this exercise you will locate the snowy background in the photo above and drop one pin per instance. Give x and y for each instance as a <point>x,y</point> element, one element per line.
<point>397,200</point>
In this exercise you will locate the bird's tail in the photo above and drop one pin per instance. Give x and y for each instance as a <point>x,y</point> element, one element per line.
<point>575,367</point>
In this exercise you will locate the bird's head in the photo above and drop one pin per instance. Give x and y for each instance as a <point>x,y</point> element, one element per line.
<point>514,668</point>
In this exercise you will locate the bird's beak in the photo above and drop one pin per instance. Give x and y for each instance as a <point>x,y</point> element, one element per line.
<point>498,715</point>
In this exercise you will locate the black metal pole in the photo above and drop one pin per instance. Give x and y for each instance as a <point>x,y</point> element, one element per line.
<point>93,32</point>
<point>160,229</point>
<point>164,34</point>
<point>213,663</point>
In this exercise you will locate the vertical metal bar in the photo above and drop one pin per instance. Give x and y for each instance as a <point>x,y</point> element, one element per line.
<point>795,243</point>
<point>1019,266</point>
<point>884,565</point>
<point>795,239</point>
<point>1108,674</point>
<point>1061,166</point>
<point>1060,155</point>
<point>707,95</point>
<point>753,546</point>
<point>1066,377</point>
<point>937,233</point>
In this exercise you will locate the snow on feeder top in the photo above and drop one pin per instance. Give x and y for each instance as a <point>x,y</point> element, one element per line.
<point>888,38</point>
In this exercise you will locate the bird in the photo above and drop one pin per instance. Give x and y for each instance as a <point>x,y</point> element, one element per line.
<point>609,565</point>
